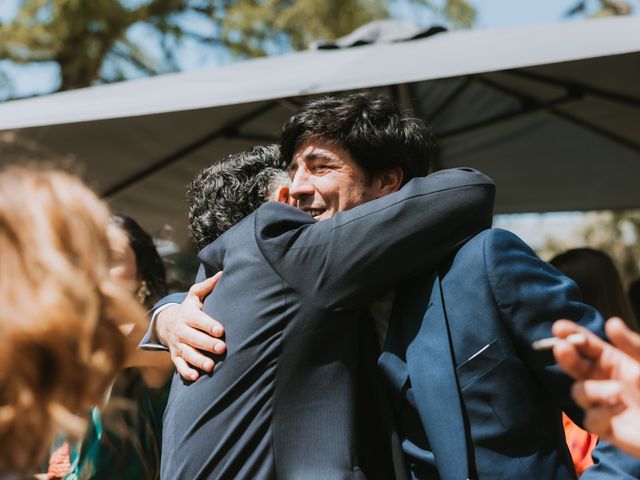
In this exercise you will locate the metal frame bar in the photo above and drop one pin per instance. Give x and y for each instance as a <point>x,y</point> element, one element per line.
<point>576,89</point>
<point>524,99</point>
<point>598,130</point>
<point>255,137</point>
<point>510,115</point>
<point>588,89</point>
<point>451,98</point>
<point>226,130</point>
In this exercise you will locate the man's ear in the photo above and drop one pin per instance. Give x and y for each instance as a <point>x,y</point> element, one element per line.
<point>389,181</point>
<point>281,194</point>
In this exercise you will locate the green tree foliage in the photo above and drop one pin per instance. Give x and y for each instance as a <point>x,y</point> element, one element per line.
<point>80,35</point>
<point>253,28</point>
<point>91,41</point>
<point>601,8</point>
<point>618,234</point>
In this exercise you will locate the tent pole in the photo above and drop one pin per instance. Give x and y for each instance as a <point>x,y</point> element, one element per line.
<point>255,137</point>
<point>595,91</point>
<point>567,116</point>
<point>597,130</point>
<point>509,116</point>
<point>186,150</point>
<point>289,104</point>
<point>401,93</point>
<point>449,99</point>
<point>523,97</point>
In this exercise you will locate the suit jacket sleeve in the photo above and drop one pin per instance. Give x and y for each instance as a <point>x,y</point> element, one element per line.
<point>150,339</point>
<point>350,260</point>
<point>531,295</point>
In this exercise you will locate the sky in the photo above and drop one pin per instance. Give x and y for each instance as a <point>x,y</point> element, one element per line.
<point>507,13</point>
<point>512,13</point>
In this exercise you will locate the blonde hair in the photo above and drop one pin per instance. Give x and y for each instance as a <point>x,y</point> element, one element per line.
<point>60,342</point>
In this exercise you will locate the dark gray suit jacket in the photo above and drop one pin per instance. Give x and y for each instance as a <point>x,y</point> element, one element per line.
<point>282,402</point>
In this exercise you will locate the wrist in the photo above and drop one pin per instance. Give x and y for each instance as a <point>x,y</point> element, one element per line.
<point>161,323</point>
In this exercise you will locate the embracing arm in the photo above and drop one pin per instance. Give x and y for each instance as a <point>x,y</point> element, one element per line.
<point>353,258</point>
<point>179,326</point>
<point>152,340</point>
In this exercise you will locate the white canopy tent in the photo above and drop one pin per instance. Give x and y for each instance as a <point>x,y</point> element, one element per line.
<point>552,113</point>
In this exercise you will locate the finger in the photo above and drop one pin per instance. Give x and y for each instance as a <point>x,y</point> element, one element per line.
<point>624,338</point>
<point>591,393</point>
<point>205,323</point>
<point>599,420</point>
<point>215,279</point>
<point>563,328</point>
<point>590,349</point>
<point>566,353</point>
<point>204,288</point>
<point>184,369</point>
<point>570,360</point>
<point>199,340</point>
<point>195,358</point>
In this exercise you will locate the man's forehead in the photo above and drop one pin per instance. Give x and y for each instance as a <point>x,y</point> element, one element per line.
<point>319,148</point>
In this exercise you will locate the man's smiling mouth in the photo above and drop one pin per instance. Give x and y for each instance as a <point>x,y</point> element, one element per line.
<point>314,212</point>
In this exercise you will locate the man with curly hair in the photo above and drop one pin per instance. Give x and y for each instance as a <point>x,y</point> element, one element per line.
<point>295,395</point>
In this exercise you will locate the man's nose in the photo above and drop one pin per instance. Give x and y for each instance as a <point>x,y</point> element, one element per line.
<point>301,185</point>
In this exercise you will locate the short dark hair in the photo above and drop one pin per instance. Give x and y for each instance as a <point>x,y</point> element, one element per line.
<point>224,193</point>
<point>633,294</point>
<point>149,264</point>
<point>377,133</point>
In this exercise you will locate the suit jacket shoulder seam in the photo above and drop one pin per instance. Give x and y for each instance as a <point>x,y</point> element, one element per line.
<point>275,272</point>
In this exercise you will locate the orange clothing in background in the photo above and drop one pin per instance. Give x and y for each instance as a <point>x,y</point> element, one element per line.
<point>580,443</point>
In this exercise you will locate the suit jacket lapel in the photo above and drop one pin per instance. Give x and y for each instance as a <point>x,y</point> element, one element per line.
<point>431,367</point>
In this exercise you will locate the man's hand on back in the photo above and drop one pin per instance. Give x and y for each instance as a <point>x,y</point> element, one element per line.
<point>186,330</point>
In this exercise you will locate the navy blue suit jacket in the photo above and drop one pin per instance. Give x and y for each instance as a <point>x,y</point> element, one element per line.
<point>489,404</point>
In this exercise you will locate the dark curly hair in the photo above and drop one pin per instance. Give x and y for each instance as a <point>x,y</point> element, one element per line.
<point>224,193</point>
<point>377,133</point>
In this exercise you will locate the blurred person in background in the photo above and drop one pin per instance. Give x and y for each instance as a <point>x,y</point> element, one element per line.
<point>62,312</point>
<point>125,436</point>
<point>599,282</point>
<point>601,287</point>
<point>633,295</point>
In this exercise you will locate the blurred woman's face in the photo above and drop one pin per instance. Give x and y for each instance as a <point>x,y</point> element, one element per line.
<point>123,265</point>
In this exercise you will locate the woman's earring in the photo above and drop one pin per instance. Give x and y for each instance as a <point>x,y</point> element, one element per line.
<point>143,291</point>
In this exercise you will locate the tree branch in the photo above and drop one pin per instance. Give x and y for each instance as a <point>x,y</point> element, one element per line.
<point>135,61</point>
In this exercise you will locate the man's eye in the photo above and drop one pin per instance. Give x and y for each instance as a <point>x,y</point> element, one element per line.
<point>320,168</point>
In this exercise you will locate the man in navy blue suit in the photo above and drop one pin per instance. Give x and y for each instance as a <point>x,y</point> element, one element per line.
<point>472,398</point>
